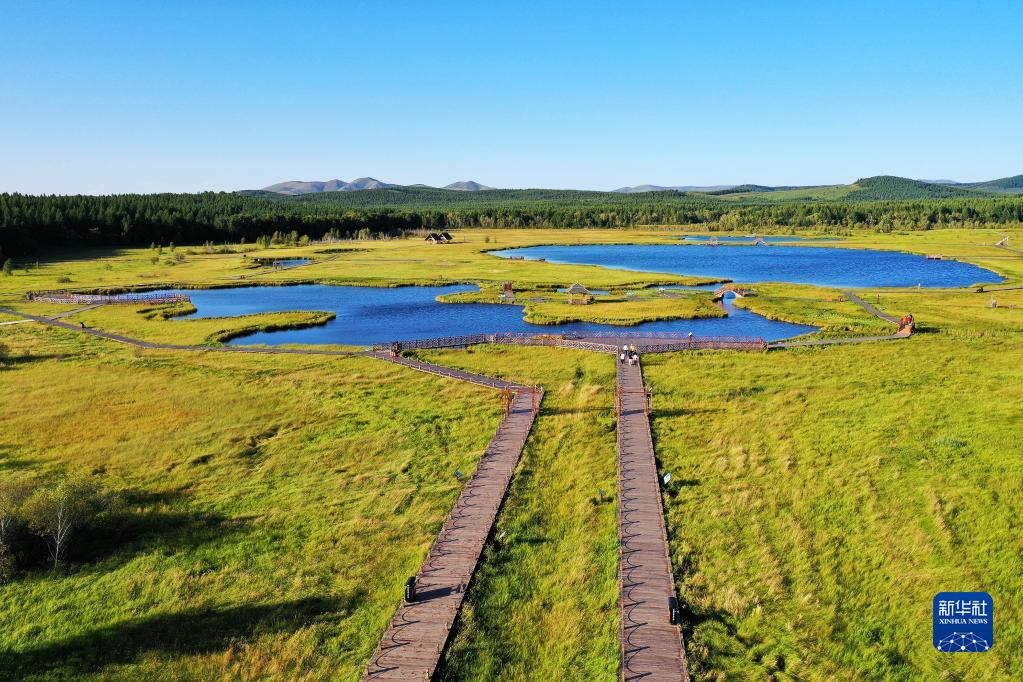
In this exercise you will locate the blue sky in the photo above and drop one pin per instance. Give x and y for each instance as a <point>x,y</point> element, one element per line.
<point>136,96</point>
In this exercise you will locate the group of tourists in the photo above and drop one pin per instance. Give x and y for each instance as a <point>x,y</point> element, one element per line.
<point>907,322</point>
<point>629,355</point>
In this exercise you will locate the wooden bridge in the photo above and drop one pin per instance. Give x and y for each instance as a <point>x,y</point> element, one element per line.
<point>739,291</point>
<point>649,637</point>
<point>601,342</point>
<point>412,646</point>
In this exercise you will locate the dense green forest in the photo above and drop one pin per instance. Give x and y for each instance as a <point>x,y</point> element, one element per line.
<point>31,223</point>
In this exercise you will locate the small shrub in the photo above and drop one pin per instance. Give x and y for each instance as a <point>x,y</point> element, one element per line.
<point>64,279</point>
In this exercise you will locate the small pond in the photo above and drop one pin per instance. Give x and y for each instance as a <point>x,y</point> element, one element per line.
<point>823,265</point>
<point>367,315</point>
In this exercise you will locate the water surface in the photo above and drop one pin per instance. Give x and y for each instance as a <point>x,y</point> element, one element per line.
<point>367,315</point>
<point>823,266</point>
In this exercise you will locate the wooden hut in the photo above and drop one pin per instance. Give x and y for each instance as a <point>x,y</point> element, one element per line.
<point>579,295</point>
<point>507,292</point>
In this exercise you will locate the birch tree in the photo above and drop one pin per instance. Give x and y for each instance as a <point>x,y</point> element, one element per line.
<point>57,512</point>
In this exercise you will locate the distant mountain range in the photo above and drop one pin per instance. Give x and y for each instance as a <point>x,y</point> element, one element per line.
<point>877,188</point>
<point>293,187</point>
<point>864,189</point>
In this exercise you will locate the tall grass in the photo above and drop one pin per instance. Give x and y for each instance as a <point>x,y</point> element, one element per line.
<point>824,497</point>
<point>278,505</point>
<point>544,605</point>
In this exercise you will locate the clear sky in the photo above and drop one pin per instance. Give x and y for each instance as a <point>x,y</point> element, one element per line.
<point>103,97</point>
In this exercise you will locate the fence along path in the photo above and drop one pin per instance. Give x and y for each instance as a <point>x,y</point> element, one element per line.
<point>651,646</point>
<point>411,647</point>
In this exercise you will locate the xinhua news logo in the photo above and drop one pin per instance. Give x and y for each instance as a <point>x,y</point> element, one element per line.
<point>964,622</point>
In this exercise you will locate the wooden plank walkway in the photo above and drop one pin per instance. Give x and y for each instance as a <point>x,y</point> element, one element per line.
<point>411,647</point>
<point>869,308</point>
<point>651,647</point>
<point>139,343</point>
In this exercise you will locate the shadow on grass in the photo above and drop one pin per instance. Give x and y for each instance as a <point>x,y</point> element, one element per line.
<point>9,461</point>
<point>14,361</point>
<point>139,524</point>
<point>195,631</point>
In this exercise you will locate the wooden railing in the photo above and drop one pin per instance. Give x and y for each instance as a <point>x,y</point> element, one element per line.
<point>582,341</point>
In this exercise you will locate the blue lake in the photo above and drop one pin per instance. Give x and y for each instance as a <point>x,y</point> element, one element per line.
<point>367,315</point>
<point>824,266</point>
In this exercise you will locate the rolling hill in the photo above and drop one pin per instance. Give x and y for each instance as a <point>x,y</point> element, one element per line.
<point>369,192</point>
<point>1012,184</point>
<point>295,187</point>
<point>300,187</point>
<point>467,186</point>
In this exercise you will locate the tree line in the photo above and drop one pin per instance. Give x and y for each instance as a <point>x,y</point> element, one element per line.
<point>29,224</point>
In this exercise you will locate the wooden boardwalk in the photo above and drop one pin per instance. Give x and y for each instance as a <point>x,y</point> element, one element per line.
<point>869,308</point>
<point>651,647</point>
<point>139,343</point>
<point>411,647</point>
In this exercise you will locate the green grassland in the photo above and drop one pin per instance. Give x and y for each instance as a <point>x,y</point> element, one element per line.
<point>823,497</point>
<point>275,505</point>
<point>622,311</point>
<point>545,602</point>
<point>403,262</point>
<point>821,307</point>
<point>548,306</point>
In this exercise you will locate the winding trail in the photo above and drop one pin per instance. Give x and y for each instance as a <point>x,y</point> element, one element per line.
<point>411,647</point>
<point>651,646</point>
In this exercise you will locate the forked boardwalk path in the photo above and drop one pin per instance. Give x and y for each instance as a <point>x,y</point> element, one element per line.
<point>413,643</point>
<point>651,647</point>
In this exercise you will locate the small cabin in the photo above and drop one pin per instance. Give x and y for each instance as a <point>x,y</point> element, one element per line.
<point>507,292</point>
<point>439,238</point>
<point>579,295</point>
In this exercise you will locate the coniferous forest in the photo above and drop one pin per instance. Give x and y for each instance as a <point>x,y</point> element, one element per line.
<point>29,224</point>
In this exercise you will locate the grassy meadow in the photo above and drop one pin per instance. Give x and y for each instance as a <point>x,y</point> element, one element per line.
<point>274,506</point>
<point>545,603</point>
<point>823,496</point>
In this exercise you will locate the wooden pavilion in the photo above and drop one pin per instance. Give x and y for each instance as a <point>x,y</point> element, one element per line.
<point>579,295</point>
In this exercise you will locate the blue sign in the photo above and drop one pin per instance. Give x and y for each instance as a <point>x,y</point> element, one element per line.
<point>963,621</point>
